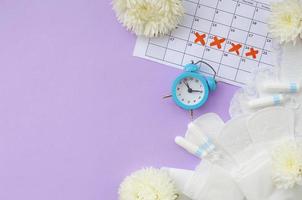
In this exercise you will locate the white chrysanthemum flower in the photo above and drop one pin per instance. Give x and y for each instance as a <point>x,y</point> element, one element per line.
<point>287,165</point>
<point>150,18</point>
<point>148,184</point>
<point>286,20</point>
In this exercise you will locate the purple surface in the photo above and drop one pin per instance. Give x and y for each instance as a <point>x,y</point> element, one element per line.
<point>77,111</point>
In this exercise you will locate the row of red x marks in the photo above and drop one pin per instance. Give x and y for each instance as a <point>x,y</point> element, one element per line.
<point>219,41</point>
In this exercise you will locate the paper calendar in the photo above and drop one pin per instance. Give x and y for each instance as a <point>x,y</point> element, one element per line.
<point>231,35</point>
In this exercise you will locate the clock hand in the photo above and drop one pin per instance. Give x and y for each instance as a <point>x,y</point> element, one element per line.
<point>189,88</point>
<point>197,91</point>
<point>187,84</point>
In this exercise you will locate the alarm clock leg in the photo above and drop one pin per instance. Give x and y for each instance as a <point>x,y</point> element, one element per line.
<point>191,114</point>
<point>167,96</point>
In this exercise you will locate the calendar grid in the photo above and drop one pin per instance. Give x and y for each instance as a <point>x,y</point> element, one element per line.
<point>188,40</point>
<point>245,43</point>
<point>213,48</point>
<point>230,12</point>
<point>217,35</point>
<point>203,71</point>
<point>266,38</point>
<point>200,58</point>
<point>167,46</point>
<point>231,35</point>
<point>223,24</point>
<point>227,38</point>
<point>209,34</point>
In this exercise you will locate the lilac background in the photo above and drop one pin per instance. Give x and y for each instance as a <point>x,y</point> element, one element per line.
<point>77,111</point>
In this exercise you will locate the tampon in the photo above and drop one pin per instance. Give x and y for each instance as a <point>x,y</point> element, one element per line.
<point>189,147</point>
<point>281,87</point>
<point>205,141</point>
<point>266,101</point>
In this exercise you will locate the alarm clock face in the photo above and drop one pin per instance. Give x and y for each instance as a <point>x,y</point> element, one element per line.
<point>190,91</point>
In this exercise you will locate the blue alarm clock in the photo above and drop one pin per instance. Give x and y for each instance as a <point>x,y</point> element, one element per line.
<point>191,89</point>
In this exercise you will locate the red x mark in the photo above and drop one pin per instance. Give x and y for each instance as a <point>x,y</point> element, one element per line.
<point>252,53</point>
<point>200,38</point>
<point>235,48</point>
<point>217,42</point>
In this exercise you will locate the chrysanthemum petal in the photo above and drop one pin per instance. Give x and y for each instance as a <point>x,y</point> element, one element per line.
<point>148,184</point>
<point>150,18</point>
<point>285,22</point>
